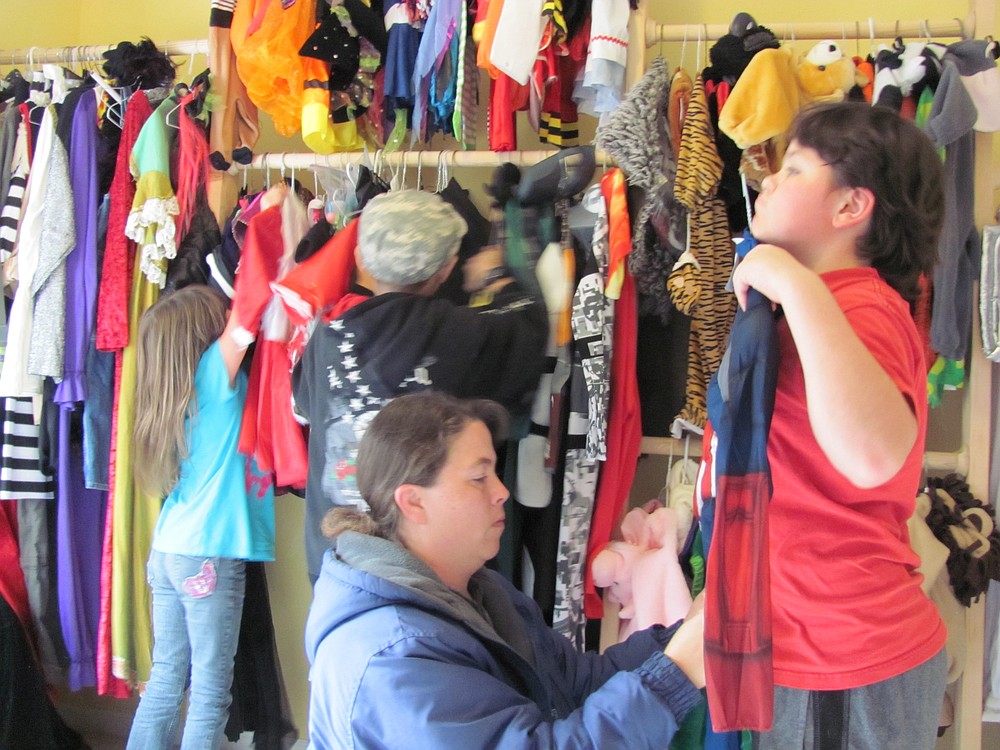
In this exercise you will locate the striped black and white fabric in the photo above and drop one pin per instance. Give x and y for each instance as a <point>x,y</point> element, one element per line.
<point>20,475</point>
<point>10,214</point>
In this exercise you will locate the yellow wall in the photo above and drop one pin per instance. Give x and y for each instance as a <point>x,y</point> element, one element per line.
<point>42,23</point>
<point>50,23</point>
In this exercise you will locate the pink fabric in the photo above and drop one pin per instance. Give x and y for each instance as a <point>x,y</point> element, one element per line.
<point>642,572</point>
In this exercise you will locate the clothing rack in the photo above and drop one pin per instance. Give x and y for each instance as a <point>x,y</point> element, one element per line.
<point>958,28</point>
<point>973,457</point>
<point>643,28</point>
<point>431,159</point>
<point>90,53</point>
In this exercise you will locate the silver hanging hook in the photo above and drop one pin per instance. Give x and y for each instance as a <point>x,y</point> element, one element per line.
<point>438,186</point>
<point>684,45</point>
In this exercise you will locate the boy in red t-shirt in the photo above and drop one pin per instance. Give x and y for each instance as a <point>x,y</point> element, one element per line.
<point>849,224</point>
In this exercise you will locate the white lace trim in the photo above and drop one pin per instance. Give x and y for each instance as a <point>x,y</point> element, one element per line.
<point>156,214</point>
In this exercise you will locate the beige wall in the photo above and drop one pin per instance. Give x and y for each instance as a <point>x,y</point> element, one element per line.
<point>50,23</point>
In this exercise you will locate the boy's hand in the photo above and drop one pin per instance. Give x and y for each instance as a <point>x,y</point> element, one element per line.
<point>768,269</point>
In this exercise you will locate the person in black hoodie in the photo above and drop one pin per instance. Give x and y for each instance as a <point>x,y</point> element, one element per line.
<point>403,340</point>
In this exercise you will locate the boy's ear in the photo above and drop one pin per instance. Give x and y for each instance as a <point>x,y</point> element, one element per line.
<point>856,207</point>
<point>409,500</point>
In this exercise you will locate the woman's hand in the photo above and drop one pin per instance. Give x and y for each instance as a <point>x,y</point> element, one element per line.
<point>687,648</point>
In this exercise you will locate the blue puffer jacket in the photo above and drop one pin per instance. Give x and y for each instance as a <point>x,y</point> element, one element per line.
<point>412,665</point>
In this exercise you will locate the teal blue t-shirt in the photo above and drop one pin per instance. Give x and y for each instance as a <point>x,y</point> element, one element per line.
<point>221,506</point>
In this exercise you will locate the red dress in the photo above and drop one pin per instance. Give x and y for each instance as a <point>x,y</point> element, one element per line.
<point>269,431</point>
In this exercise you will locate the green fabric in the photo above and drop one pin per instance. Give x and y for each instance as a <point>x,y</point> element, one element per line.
<point>395,138</point>
<point>691,733</point>
<point>945,375</point>
<point>456,115</point>
<point>134,516</point>
<point>697,565</point>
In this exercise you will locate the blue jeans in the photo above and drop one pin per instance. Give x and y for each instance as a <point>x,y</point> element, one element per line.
<point>197,606</point>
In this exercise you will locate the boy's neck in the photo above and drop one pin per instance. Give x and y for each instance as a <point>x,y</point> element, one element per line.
<point>833,257</point>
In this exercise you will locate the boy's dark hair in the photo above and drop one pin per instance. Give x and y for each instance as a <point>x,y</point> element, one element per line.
<point>875,148</point>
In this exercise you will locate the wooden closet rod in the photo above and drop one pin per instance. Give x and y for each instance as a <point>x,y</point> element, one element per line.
<point>814,31</point>
<point>90,52</point>
<point>957,461</point>
<point>428,159</point>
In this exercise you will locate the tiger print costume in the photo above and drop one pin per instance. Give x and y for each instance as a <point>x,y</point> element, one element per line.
<point>697,284</point>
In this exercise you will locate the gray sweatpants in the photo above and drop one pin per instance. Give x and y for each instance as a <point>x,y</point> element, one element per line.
<point>900,713</point>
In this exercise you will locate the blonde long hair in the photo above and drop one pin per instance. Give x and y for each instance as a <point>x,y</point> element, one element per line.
<point>173,335</point>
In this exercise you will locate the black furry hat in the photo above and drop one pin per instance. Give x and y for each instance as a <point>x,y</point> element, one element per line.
<point>139,66</point>
<point>732,52</point>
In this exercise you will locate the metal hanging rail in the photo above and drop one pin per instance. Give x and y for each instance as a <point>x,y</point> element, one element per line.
<point>429,159</point>
<point>957,28</point>
<point>90,52</point>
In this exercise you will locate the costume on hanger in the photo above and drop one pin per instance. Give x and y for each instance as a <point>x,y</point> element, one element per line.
<point>624,429</point>
<point>15,378</point>
<point>738,604</point>
<point>119,249</point>
<point>48,283</point>
<point>234,115</point>
<point>151,223</point>
<point>266,37</point>
<point>81,263</point>
<point>601,88</point>
<point>269,431</point>
<point>953,119</point>
<point>697,283</point>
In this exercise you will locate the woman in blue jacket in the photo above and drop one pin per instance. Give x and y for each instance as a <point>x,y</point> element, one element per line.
<point>414,644</point>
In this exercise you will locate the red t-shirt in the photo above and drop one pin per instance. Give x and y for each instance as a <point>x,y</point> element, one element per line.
<point>847,606</point>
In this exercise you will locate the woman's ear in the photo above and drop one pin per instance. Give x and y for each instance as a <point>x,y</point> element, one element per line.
<point>409,499</point>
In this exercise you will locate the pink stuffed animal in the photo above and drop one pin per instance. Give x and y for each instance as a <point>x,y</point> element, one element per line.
<point>642,572</point>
